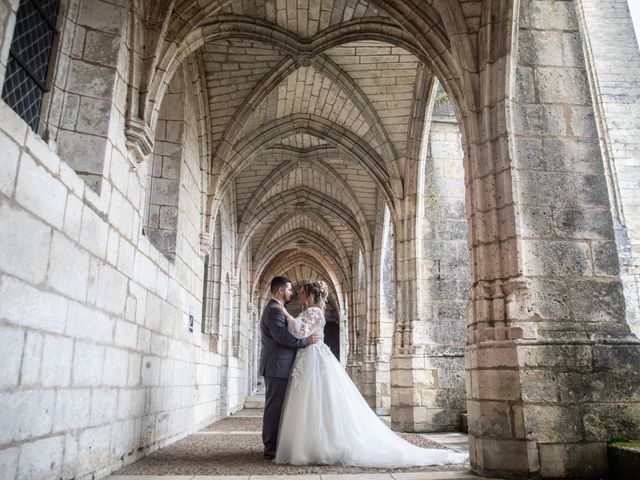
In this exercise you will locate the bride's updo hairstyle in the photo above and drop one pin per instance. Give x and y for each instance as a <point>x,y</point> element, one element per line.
<point>318,291</point>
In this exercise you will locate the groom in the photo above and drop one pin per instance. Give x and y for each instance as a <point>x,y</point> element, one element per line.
<point>278,353</point>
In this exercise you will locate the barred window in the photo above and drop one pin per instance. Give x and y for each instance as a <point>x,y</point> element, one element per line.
<point>25,81</point>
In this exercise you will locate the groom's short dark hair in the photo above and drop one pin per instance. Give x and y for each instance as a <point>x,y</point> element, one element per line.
<point>278,282</point>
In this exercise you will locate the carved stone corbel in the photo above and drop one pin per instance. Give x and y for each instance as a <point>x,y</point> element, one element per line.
<point>206,244</point>
<point>139,139</point>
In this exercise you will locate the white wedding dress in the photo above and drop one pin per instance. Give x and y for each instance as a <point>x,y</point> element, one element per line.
<point>325,420</point>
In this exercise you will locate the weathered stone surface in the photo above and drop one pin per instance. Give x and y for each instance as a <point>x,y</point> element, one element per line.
<point>332,161</point>
<point>22,236</point>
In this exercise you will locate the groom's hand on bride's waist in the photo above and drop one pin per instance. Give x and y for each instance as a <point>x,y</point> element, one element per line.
<point>313,338</point>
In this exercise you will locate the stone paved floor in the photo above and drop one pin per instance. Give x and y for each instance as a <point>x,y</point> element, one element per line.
<point>231,449</point>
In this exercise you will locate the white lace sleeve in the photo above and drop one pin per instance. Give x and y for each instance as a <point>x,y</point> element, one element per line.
<point>306,323</point>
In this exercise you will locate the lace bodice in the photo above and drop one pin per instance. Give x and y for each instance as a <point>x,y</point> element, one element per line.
<point>309,321</point>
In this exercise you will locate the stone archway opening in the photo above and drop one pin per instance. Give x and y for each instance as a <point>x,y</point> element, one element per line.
<point>312,140</point>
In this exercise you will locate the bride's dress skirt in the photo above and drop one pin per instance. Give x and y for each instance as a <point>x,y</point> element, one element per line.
<point>326,421</point>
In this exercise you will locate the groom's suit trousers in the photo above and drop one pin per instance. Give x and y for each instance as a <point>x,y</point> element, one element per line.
<point>276,388</point>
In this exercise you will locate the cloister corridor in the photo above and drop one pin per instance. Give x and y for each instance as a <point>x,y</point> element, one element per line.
<point>464,175</point>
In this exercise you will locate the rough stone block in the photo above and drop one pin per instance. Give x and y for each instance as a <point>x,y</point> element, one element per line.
<point>150,370</point>
<point>12,341</point>
<point>591,191</point>
<point>540,48</point>
<point>573,460</point>
<point>91,80</point>
<point>104,406</point>
<point>573,155</point>
<point>88,361</point>
<point>555,258</point>
<point>497,384</point>
<point>562,85</point>
<point>583,223</point>
<point>490,419</point>
<point>9,159</point>
<point>57,356</point>
<point>70,458</point>
<point>553,424</point>
<point>9,463</point>
<point>539,386</point>
<point>73,217</point>
<point>510,455</point>
<point>123,439</point>
<point>605,259</point>
<point>121,213</point>
<point>112,286</point>
<point>93,449</point>
<point>42,152</point>
<point>42,459</point>
<point>40,193</point>
<point>535,119</point>
<point>89,323</point>
<point>604,421</point>
<point>555,356</point>
<point>93,116</point>
<point>26,414</point>
<point>73,409</point>
<point>68,268</point>
<point>116,367</point>
<point>23,237</point>
<point>582,122</point>
<point>32,359</point>
<point>126,334</point>
<point>32,307</point>
<point>134,373</point>
<point>83,152</point>
<point>94,233</point>
<point>102,48</point>
<point>11,123</point>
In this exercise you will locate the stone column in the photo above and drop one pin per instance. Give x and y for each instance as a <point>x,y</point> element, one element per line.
<point>386,320</point>
<point>411,378</point>
<point>552,367</point>
<point>377,351</point>
<point>357,316</point>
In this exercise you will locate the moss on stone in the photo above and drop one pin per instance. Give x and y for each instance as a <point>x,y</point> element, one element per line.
<point>625,443</point>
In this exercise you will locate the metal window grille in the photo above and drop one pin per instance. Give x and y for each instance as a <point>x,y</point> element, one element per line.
<point>25,80</point>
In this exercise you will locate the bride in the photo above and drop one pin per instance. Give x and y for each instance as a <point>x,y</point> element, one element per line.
<point>325,420</point>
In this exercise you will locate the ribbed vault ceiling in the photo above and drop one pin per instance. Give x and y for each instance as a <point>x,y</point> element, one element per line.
<point>310,127</point>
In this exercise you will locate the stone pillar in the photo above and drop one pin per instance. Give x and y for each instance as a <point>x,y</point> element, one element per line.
<point>386,315</point>
<point>552,367</point>
<point>412,379</point>
<point>357,333</point>
<point>83,110</point>
<point>446,264</point>
<point>381,316</point>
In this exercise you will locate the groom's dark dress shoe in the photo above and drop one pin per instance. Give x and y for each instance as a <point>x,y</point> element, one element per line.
<point>269,456</point>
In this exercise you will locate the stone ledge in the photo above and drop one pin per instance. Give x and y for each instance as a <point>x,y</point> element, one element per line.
<point>624,460</point>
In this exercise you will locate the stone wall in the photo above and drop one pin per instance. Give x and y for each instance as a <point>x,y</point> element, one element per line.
<point>99,367</point>
<point>163,184</point>
<point>614,69</point>
<point>446,267</point>
<point>551,362</point>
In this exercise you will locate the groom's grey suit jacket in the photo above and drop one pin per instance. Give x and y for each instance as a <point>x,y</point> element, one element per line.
<point>278,345</point>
